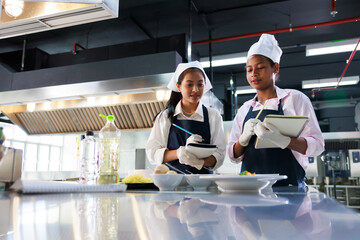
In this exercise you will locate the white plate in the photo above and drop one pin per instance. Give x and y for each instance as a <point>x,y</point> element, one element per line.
<point>243,183</point>
<point>274,178</point>
<point>242,200</point>
<point>200,152</point>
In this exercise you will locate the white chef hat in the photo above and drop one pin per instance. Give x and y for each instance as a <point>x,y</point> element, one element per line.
<point>266,46</point>
<point>181,68</point>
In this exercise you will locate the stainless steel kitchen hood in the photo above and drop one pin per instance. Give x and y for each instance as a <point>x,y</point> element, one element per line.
<point>125,88</point>
<point>40,15</point>
<point>131,111</point>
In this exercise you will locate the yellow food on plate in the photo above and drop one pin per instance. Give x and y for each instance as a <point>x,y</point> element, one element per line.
<point>171,172</point>
<point>161,169</point>
<point>136,178</point>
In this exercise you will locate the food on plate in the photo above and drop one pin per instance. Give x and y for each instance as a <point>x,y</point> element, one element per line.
<point>246,173</point>
<point>161,169</point>
<point>136,178</point>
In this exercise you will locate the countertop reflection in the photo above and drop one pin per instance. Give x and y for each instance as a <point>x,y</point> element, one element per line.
<point>177,215</point>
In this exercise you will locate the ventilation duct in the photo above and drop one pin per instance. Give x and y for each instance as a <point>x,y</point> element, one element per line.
<point>42,15</point>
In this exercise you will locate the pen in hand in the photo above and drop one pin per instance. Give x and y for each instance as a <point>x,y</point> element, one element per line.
<point>257,116</point>
<point>183,129</point>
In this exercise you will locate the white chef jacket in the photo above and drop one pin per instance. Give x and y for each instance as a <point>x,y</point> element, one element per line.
<point>158,139</point>
<point>294,103</point>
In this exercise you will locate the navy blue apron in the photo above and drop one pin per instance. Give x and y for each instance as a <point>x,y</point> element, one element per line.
<point>272,160</point>
<point>178,138</point>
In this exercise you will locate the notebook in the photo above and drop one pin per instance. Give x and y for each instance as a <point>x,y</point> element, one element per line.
<point>201,150</point>
<point>290,126</point>
<point>35,186</point>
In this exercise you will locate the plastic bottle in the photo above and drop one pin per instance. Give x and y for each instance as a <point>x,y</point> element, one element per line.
<point>88,159</point>
<point>109,152</point>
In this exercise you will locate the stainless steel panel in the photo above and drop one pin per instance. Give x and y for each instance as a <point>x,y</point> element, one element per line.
<point>354,162</point>
<point>11,165</point>
<point>81,90</point>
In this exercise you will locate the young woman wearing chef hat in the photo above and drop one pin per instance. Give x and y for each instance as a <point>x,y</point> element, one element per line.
<point>167,142</point>
<point>291,156</point>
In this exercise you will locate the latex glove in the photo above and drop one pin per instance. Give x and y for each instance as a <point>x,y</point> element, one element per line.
<point>188,158</point>
<point>195,138</point>
<point>271,133</point>
<point>248,131</point>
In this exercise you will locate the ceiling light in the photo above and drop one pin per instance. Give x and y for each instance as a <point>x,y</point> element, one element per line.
<point>167,95</point>
<point>13,8</point>
<point>245,90</point>
<point>30,107</point>
<point>47,106</point>
<point>331,47</point>
<point>91,101</point>
<point>223,60</point>
<point>160,94</point>
<point>330,82</point>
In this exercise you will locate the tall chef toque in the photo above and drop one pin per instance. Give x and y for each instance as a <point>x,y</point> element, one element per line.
<point>266,46</point>
<point>181,68</point>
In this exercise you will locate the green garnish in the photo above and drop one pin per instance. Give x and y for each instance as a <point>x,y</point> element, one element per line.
<point>243,172</point>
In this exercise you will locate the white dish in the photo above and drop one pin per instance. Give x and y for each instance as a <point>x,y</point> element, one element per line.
<point>201,151</point>
<point>167,182</point>
<point>244,200</point>
<point>274,178</point>
<point>242,183</point>
<point>199,184</point>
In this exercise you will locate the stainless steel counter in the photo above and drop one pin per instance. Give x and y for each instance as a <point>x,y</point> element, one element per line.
<point>176,215</point>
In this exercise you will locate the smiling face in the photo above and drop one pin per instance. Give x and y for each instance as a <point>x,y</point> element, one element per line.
<point>191,86</point>
<point>260,72</point>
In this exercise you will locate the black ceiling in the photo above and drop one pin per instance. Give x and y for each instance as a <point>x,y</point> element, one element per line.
<point>150,19</point>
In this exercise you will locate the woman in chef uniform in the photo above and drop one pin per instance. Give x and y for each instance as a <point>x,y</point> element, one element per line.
<point>291,156</point>
<point>166,143</point>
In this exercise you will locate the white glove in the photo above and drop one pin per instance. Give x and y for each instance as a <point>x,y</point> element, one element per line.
<point>188,158</point>
<point>248,131</point>
<point>271,133</point>
<point>195,138</point>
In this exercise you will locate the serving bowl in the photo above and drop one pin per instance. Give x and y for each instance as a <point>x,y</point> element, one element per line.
<point>198,183</point>
<point>166,182</point>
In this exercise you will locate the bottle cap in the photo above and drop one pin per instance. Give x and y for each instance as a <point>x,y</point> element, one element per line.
<point>89,133</point>
<point>109,118</point>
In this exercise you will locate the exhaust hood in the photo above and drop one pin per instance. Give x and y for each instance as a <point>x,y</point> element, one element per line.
<point>65,93</point>
<point>69,99</point>
<point>131,111</point>
<point>43,15</point>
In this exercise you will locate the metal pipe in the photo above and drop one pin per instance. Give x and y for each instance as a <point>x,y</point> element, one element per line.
<point>210,59</point>
<point>75,47</point>
<point>333,9</point>
<point>23,55</point>
<point>342,75</point>
<point>189,45</point>
<point>232,97</point>
<point>290,29</point>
